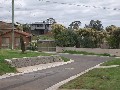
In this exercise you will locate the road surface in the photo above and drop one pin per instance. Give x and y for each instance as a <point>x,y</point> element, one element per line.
<point>41,80</point>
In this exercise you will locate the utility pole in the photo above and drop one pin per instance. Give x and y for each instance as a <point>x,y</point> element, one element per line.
<point>12,24</point>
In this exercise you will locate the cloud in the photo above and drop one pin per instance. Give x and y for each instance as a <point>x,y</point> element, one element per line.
<point>29,11</point>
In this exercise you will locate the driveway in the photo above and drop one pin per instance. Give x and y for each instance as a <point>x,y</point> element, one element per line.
<point>41,80</point>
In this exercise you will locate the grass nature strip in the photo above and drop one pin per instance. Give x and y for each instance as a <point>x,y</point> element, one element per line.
<point>98,79</point>
<point>8,54</point>
<point>85,53</point>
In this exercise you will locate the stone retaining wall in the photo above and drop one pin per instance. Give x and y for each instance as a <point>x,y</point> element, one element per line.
<point>31,61</point>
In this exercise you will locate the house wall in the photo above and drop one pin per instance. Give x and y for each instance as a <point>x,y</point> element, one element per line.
<point>93,50</point>
<point>0,41</point>
<point>39,29</point>
<point>33,27</point>
<point>38,32</point>
<point>16,35</point>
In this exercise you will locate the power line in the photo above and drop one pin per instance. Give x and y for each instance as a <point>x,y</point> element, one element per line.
<point>73,4</point>
<point>82,5</point>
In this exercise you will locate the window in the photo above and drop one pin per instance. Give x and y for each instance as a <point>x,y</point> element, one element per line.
<point>17,41</point>
<point>41,25</point>
<point>5,41</point>
<point>37,25</point>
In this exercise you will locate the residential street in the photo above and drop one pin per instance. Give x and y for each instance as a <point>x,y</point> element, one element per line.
<point>41,80</point>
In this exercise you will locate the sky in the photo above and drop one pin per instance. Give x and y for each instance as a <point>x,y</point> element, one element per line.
<point>30,11</point>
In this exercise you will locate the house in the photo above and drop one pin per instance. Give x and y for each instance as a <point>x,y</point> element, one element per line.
<point>40,28</point>
<point>6,39</point>
<point>4,27</point>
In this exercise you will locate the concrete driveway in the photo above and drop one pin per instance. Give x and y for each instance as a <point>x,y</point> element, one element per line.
<point>41,80</point>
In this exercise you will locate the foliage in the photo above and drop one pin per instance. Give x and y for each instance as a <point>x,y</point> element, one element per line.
<point>110,29</point>
<point>85,53</point>
<point>33,46</point>
<point>26,27</point>
<point>57,28</point>
<point>65,59</point>
<point>75,25</point>
<point>65,39</point>
<point>45,37</point>
<point>8,54</point>
<point>51,21</point>
<point>97,25</point>
<point>22,44</point>
<point>114,39</point>
<point>90,38</point>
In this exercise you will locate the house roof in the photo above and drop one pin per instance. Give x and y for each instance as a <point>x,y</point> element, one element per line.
<point>4,25</point>
<point>19,32</point>
<point>40,23</point>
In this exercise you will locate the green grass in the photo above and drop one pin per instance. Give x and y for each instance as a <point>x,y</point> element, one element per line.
<point>43,37</point>
<point>97,79</point>
<point>112,62</point>
<point>8,54</point>
<point>85,53</point>
<point>65,59</point>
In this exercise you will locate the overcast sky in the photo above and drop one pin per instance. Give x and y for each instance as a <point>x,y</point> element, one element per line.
<point>30,11</point>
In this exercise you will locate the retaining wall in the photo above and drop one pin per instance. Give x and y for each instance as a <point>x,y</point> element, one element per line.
<point>31,61</point>
<point>93,50</point>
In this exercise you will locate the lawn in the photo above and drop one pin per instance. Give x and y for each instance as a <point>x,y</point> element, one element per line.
<point>85,53</point>
<point>8,54</point>
<point>112,62</point>
<point>65,59</point>
<point>98,79</point>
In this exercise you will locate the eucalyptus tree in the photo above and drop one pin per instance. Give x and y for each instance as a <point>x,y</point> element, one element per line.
<point>97,25</point>
<point>51,20</point>
<point>110,29</point>
<point>75,25</point>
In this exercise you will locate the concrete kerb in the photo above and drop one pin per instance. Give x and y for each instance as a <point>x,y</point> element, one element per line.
<point>56,86</point>
<point>117,57</point>
<point>32,70</point>
<point>111,66</point>
<point>86,55</point>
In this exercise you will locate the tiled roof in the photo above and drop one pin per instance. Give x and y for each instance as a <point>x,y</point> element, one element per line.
<point>4,25</point>
<point>24,33</point>
<point>20,32</point>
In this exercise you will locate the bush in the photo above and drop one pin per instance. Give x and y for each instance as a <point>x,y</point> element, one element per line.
<point>33,46</point>
<point>22,44</point>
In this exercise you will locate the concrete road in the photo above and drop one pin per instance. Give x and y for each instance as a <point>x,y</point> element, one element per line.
<point>41,80</point>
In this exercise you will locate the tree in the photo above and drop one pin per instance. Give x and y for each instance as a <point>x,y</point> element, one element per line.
<point>26,27</point>
<point>75,25</point>
<point>19,26</point>
<point>89,38</point>
<point>51,21</point>
<point>65,39</point>
<point>114,39</point>
<point>22,44</point>
<point>57,29</point>
<point>95,25</point>
<point>111,29</point>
